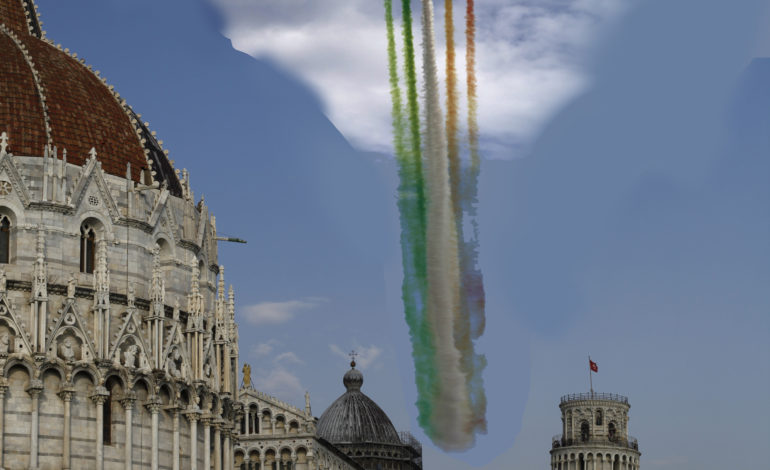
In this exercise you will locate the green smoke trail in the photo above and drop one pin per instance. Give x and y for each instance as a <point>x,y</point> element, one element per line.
<point>411,205</point>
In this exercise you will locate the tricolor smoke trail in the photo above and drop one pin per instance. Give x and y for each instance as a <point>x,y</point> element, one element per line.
<point>442,290</point>
<point>411,205</point>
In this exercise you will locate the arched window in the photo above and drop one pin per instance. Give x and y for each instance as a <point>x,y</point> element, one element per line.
<point>87,248</point>
<point>612,433</point>
<point>5,239</point>
<point>584,431</point>
<point>598,417</point>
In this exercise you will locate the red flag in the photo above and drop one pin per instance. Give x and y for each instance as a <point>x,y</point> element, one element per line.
<point>593,366</point>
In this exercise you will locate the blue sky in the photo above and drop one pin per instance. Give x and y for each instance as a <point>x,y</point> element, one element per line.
<point>624,204</point>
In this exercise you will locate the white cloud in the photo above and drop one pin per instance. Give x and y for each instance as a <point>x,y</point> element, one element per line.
<point>263,349</point>
<point>288,357</point>
<point>529,58</point>
<point>274,313</point>
<point>279,382</point>
<point>365,356</point>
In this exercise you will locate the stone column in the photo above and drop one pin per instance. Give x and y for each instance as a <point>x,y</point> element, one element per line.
<point>34,389</point>
<point>228,452</point>
<point>99,397</point>
<point>261,462</point>
<point>206,442</point>
<point>153,404</point>
<point>66,396</point>
<point>128,405</point>
<point>218,445</point>
<point>175,442</point>
<point>193,417</point>
<point>3,389</point>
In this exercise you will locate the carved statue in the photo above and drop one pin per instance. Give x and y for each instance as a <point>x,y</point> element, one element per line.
<point>247,375</point>
<point>67,351</point>
<point>207,370</point>
<point>5,342</point>
<point>71,286</point>
<point>174,369</point>
<point>129,356</point>
<point>3,281</point>
<point>131,296</point>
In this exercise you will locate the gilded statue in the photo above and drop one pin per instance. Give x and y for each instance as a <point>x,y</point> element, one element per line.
<point>247,375</point>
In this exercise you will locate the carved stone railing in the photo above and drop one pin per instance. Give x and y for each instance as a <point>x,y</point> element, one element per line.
<point>620,441</point>
<point>594,396</point>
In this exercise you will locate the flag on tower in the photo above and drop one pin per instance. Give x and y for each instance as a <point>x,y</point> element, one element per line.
<point>593,366</point>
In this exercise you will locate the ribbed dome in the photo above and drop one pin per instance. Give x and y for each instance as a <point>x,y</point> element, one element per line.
<point>355,418</point>
<point>48,97</point>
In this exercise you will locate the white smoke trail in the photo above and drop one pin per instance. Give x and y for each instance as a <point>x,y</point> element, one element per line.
<point>451,411</point>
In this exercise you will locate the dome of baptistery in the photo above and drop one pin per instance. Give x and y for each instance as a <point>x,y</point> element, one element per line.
<point>54,99</point>
<point>354,417</point>
<point>118,342</point>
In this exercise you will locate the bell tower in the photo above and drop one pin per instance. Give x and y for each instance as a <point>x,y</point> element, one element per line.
<point>594,434</point>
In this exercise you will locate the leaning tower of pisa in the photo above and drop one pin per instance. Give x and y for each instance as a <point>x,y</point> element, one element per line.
<point>594,434</point>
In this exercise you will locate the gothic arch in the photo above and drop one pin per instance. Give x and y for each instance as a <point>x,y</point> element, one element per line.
<point>24,362</point>
<point>116,375</point>
<point>86,369</point>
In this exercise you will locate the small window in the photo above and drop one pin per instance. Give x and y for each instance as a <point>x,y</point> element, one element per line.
<point>612,433</point>
<point>598,417</point>
<point>87,248</point>
<point>107,421</point>
<point>5,239</point>
<point>584,431</point>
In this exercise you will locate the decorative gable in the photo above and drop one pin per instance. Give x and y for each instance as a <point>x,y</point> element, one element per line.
<point>91,190</point>
<point>129,348</point>
<point>68,339</point>
<point>14,337</point>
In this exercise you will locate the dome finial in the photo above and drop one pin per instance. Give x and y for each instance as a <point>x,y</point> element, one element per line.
<point>353,354</point>
<point>353,378</point>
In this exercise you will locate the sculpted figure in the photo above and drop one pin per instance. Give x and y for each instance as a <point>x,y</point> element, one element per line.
<point>5,341</point>
<point>174,365</point>
<point>246,375</point>
<point>129,356</point>
<point>207,370</point>
<point>3,281</point>
<point>131,296</point>
<point>71,287</point>
<point>67,351</point>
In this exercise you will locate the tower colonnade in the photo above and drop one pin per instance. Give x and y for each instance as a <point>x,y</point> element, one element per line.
<point>594,434</point>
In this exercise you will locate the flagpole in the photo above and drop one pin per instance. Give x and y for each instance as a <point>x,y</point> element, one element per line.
<point>590,376</point>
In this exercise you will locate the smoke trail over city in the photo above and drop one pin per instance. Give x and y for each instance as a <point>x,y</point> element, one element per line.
<point>442,288</point>
<point>411,209</point>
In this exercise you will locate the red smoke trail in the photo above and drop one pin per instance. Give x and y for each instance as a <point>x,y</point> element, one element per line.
<point>453,147</point>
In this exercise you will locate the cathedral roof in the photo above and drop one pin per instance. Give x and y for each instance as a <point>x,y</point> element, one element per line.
<point>355,418</point>
<point>49,97</point>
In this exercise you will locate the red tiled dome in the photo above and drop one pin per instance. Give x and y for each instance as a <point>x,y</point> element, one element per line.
<point>40,83</point>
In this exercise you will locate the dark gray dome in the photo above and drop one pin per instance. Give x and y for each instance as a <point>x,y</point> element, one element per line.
<point>355,418</point>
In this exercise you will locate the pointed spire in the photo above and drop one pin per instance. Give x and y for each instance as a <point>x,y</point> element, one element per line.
<point>195,299</point>
<point>221,286</point>
<point>40,282</point>
<point>3,144</point>
<point>101,276</point>
<point>231,302</point>
<point>158,286</point>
